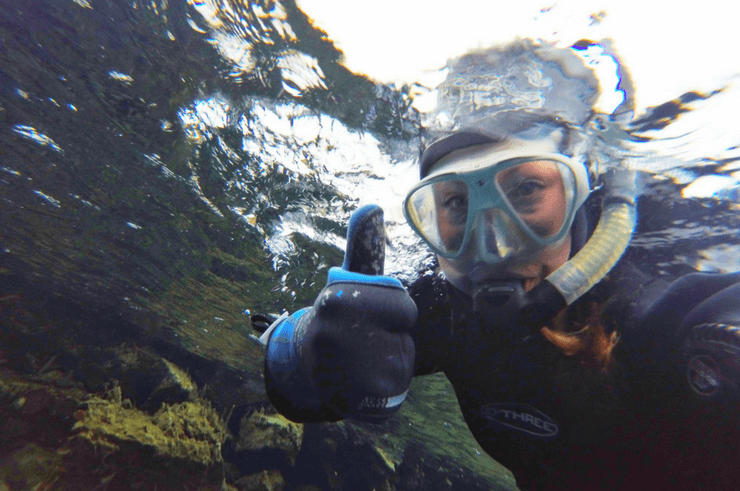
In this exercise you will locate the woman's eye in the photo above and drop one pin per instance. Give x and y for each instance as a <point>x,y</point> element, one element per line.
<point>456,202</point>
<point>525,189</point>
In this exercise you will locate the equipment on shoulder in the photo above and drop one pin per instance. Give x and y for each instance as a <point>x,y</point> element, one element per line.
<point>697,317</point>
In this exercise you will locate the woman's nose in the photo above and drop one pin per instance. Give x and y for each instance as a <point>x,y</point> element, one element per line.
<point>498,237</point>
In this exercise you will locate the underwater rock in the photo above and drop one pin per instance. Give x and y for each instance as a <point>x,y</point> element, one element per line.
<point>118,413</point>
<point>189,430</point>
<point>267,480</point>
<point>68,439</point>
<point>144,376</point>
<point>271,433</point>
<point>176,385</point>
<point>33,418</point>
<point>331,454</point>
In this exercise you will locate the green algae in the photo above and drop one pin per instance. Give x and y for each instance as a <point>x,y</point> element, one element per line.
<point>180,377</point>
<point>206,318</point>
<point>188,430</point>
<point>66,438</point>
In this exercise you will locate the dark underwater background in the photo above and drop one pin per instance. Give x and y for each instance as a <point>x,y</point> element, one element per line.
<point>169,168</point>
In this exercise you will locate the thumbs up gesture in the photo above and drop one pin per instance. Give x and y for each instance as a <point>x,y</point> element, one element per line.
<point>350,355</point>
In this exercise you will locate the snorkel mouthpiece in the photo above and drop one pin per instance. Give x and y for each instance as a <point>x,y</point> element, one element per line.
<point>509,303</point>
<point>498,295</point>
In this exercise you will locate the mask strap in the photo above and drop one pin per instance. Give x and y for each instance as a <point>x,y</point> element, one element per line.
<point>579,230</point>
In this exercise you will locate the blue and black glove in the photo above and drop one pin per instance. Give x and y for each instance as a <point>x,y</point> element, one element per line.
<point>350,355</point>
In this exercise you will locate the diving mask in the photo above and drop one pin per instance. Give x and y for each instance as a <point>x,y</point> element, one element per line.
<point>498,202</point>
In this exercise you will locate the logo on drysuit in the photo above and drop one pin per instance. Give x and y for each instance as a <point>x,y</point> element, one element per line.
<point>522,418</point>
<point>703,375</point>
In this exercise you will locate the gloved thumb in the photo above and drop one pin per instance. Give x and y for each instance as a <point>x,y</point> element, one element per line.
<point>365,252</point>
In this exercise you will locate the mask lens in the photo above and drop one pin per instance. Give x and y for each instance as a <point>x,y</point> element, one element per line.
<point>522,206</point>
<point>540,193</point>
<point>439,212</point>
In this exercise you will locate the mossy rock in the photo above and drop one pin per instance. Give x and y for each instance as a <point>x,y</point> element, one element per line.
<point>61,437</point>
<point>188,430</point>
<point>270,430</point>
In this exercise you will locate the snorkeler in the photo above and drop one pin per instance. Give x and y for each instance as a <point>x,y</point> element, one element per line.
<point>572,367</point>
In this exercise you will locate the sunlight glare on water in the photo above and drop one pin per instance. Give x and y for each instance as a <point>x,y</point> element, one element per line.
<point>33,135</point>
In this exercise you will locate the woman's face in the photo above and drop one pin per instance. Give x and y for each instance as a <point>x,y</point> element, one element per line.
<point>535,191</point>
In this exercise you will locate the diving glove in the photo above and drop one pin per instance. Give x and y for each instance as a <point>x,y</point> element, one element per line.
<point>350,355</point>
